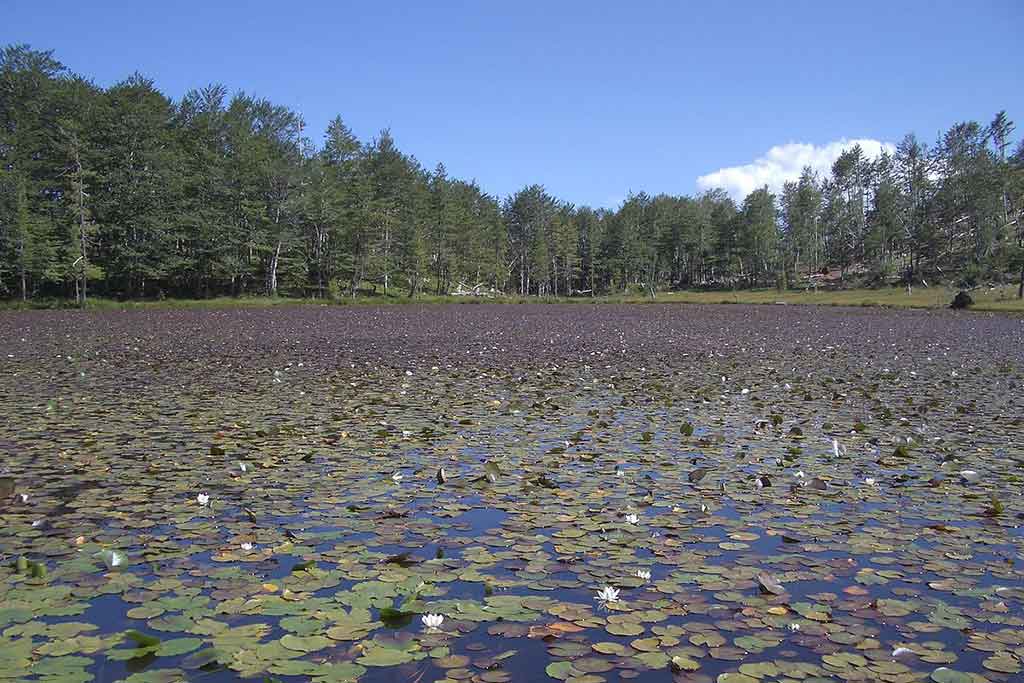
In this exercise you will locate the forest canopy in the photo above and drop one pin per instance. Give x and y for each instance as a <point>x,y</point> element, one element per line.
<point>122,192</point>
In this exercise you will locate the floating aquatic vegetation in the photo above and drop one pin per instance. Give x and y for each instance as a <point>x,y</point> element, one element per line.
<point>432,621</point>
<point>607,595</point>
<point>578,497</point>
<point>112,559</point>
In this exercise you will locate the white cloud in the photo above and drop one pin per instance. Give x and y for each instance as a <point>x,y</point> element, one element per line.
<point>785,162</point>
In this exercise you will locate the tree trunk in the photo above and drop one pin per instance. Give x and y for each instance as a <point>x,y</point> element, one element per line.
<point>387,252</point>
<point>272,270</point>
<point>81,229</point>
<point>321,261</point>
<point>359,269</point>
<point>414,284</point>
<point>1020,288</point>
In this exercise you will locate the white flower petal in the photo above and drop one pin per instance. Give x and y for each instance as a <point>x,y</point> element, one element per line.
<point>432,621</point>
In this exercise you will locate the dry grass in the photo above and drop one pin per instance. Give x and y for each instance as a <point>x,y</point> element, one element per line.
<point>998,299</point>
<point>1001,299</point>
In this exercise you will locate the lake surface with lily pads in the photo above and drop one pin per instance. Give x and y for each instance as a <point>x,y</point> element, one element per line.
<point>498,493</point>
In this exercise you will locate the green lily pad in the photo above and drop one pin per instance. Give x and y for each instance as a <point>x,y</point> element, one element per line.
<point>559,670</point>
<point>944,675</point>
<point>305,644</point>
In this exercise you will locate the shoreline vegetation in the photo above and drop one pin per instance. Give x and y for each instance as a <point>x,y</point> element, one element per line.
<point>990,299</point>
<point>124,194</point>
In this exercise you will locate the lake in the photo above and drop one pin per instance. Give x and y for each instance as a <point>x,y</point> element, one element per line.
<point>490,493</point>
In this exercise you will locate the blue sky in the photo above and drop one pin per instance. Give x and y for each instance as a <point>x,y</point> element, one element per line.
<point>591,99</point>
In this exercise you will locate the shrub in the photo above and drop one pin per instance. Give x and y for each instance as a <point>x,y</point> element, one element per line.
<point>334,292</point>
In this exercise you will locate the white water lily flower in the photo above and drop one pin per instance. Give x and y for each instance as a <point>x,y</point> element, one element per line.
<point>203,499</point>
<point>870,481</point>
<point>247,546</point>
<point>432,621</point>
<point>901,651</point>
<point>23,497</point>
<point>794,626</point>
<point>632,518</point>
<point>704,508</point>
<point>243,467</point>
<point>643,574</point>
<point>608,594</point>
<point>396,477</point>
<point>800,474</point>
<point>111,558</point>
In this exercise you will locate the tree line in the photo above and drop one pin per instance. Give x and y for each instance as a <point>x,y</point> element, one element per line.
<point>122,192</point>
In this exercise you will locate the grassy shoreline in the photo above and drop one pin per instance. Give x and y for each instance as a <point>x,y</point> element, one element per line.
<point>1001,300</point>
